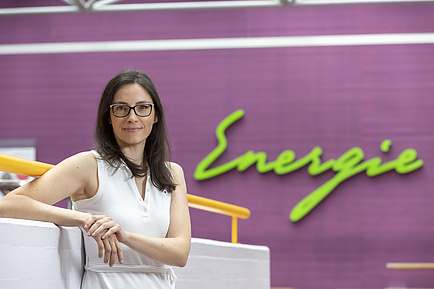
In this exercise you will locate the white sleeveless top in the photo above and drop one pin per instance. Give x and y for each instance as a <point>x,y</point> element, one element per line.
<point>118,197</point>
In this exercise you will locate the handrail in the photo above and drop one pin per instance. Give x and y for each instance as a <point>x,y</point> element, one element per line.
<point>22,166</point>
<point>410,266</point>
<point>26,167</point>
<point>220,208</point>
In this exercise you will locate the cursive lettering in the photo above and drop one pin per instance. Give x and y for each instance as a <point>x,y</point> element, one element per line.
<point>346,166</point>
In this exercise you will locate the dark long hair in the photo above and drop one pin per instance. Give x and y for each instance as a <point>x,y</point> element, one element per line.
<point>157,149</point>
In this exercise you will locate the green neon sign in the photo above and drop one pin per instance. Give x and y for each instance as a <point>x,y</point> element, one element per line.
<point>346,166</point>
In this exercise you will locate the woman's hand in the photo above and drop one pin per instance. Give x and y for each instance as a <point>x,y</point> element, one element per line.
<point>173,250</point>
<point>106,233</point>
<point>110,247</point>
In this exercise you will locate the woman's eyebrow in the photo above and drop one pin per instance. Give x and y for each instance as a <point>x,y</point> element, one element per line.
<point>139,102</point>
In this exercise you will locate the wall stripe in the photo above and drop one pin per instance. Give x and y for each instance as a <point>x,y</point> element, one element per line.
<point>218,43</point>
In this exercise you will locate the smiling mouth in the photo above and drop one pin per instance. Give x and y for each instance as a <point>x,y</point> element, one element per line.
<point>132,129</point>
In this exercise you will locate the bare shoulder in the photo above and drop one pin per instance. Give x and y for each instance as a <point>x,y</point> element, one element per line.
<point>81,167</point>
<point>178,176</point>
<point>177,171</point>
<point>175,167</point>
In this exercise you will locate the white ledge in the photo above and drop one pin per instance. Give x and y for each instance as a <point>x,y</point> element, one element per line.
<point>42,255</point>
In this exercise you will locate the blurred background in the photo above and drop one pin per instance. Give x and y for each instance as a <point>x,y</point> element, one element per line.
<point>331,74</point>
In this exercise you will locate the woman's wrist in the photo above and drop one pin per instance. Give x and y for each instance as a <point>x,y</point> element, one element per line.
<point>82,219</point>
<point>125,238</point>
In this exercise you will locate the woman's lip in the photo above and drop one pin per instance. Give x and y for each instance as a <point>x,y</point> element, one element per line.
<point>132,129</point>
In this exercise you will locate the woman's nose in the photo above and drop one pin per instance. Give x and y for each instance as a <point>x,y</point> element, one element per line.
<point>132,116</point>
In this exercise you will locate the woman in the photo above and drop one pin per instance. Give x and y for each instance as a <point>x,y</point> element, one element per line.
<point>127,198</point>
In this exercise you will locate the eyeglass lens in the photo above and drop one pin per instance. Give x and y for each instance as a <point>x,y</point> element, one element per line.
<point>122,110</point>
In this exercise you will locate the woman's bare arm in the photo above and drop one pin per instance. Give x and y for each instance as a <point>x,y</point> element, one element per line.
<point>172,250</point>
<point>74,177</point>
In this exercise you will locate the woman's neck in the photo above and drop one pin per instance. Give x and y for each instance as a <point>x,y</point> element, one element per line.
<point>134,154</point>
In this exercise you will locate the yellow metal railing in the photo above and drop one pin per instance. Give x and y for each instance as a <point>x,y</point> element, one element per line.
<point>26,167</point>
<point>410,266</point>
<point>22,166</point>
<point>220,208</point>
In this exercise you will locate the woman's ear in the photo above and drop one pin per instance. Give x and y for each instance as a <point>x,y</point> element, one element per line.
<point>155,119</point>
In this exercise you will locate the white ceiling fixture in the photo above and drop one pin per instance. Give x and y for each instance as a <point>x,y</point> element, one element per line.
<point>83,6</point>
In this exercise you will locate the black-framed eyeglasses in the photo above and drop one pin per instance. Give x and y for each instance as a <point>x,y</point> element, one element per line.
<point>123,110</point>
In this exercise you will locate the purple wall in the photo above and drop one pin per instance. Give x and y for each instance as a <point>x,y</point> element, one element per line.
<point>294,99</point>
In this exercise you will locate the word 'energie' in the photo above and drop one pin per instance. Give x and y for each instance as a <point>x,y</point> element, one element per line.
<point>347,165</point>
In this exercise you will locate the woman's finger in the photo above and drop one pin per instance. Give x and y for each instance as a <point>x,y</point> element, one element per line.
<point>91,220</point>
<point>107,250</point>
<point>119,249</point>
<point>114,228</point>
<point>100,225</point>
<point>113,252</point>
<point>103,228</point>
<point>100,245</point>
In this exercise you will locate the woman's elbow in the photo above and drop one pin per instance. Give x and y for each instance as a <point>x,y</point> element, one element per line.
<point>11,206</point>
<point>182,256</point>
<point>181,261</point>
<point>5,208</point>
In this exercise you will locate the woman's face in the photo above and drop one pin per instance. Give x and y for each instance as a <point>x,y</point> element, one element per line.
<point>132,130</point>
